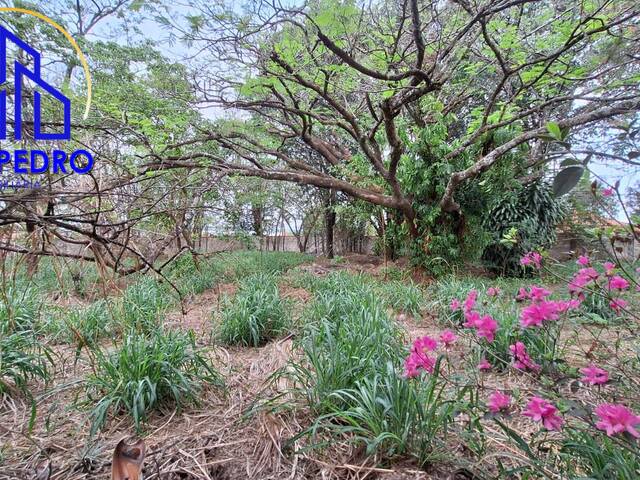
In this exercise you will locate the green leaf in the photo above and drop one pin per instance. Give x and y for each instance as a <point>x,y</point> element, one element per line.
<point>554,129</point>
<point>567,179</point>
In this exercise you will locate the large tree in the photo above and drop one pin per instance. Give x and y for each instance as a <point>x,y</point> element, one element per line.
<point>385,92</point>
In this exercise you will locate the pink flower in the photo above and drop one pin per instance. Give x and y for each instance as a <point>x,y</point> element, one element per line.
<point>523,294</point>
<point>607,192</point>
<point>590,273</point>
<point>424,345</point>
<point>470,301</point>
<point>609,267</point>
<point>416,362</point>
<point>454,305</point>
<point>448,338</point>
<point>484,364</point>
<point>583,278</point>
<point>594,375</point>
<point>499,401</point>
<point>493,291</point>
<point>618,304</point>
<point>535,314</point>
<point>618,283</point>
<point>521,359</point>
<point>538,293</point>
<point>532,258</point>
<point>564,305</point>
<point>487,327</point>
<point>583,260</point>
<point>472,319</point>
<point>616,418</point>
<point>540,410</point>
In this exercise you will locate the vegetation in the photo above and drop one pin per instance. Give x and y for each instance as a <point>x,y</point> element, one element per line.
<point>321,239</point>
<point>256,314</point>
<point>146,372</point>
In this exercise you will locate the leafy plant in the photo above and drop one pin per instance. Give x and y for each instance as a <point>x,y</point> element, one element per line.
<point>521,221</point>
<point>256,314</point>
<point>146,372</point>
<point>392,416</point>
<point>143,305</point>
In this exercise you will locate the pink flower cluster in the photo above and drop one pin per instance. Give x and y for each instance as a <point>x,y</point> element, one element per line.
<point>493,291</point>
<point>499,402</point>
<point>532,259</point>
<point>485,325</point>
<point>521,359</point>
<point>589,276</point>
<point>594,375</point>
<point>542,310</point>
<point>616,418</point>
<point>419,358</point>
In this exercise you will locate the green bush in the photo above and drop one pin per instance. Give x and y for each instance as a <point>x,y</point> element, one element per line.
<point>256,314</point>
<point>146,372</point>
<point>521,221</point>
<point>393,416</point>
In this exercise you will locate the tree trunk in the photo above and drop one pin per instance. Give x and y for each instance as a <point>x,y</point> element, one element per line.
<point>330,222</point>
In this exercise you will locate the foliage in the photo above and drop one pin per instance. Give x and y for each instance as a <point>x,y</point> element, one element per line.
<point>145,373</point>
<point>23,356</point>
<point>256,314</point>
<point>521,221</point>
<point>144,304</point>
<point>393,417</point>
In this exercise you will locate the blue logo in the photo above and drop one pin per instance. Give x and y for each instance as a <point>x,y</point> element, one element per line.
<point>35,161</point>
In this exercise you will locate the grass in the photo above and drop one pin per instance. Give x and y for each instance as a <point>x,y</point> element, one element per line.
<point>143,305</point>
<point>145,373</point>
<point>256,314</point>
<point>402,296</point>
<point>349,374</point>
<point>23,356</point>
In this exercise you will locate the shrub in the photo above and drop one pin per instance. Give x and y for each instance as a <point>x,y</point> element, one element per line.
<point>146,372</point>
<point>256,314</point>
<point>521,221</point>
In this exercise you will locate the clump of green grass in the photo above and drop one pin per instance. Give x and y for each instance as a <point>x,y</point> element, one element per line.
<point>350,374</point>
<point>403,297</point>
<point>347,336</point>
<point>240,265</point>
<point>87,325</point>
<point>144,303</point>
<point>256,314</point>
<point>23,357</point>
<point>146,372</point>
